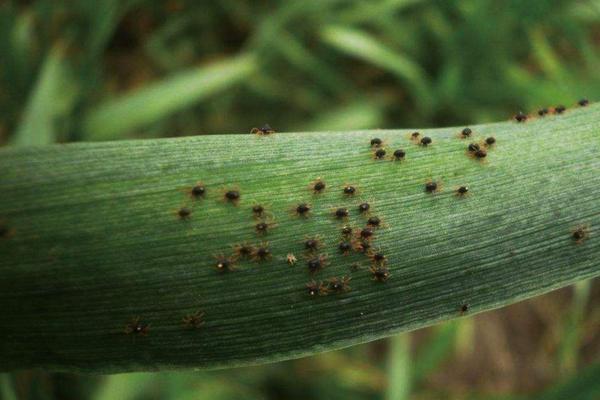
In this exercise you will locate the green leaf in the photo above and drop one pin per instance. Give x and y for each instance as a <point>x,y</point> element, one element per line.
<point>116,117</point>
<point>94,240</point>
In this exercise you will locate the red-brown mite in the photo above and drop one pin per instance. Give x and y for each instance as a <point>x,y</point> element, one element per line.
<point>340,285</point>
<point>262,252</point>
<point>263,227</point>
<point>137,327</point>
<point>194,320</point>
<point>317,263</point>
<point>224,263</point>
<point>361,245</point>
<point>379,273</point>
<point>312,243</point>
<point>377,257</point>
<point>316,289</point>
<point>366,233</point>
<point>263,130</point>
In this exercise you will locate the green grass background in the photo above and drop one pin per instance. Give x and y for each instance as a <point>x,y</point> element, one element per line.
<point>84,70</point>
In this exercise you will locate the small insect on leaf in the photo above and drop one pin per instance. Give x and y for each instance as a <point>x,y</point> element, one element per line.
<point>262,252</point>
<point>137,327</point>
<point>376,142</point>
<point>432,187</point>
<point>473,147</point>
<point>341,213</point>
<point>580,233</point>
<point>339,285</point>
<point>415,136</point>
<point>377,257</point>
<point>198,191</point>
<point>346,231</point>
<point>232,196</point>
<point>349,190</point>
<point>465,133</point>
<point>302,210</point>
<point>194,320</point>
<point>426,141</point>
<point>462,191</point>
<point>490,141</point>
<point>184,213</point>
<point>315,289</point>
<point>264,227</point>
<point>379,154</point>
<point>379,273</point>
<point>559,109</point>
<point>374,222</point>
<point>312,243</point>
<point>520,117</point>
<point>542,112</point>
<point>317,263</point>
<point>243,250</point>
<point>291,259</point>
<point>583,102</point>
<point>464,308</point>
<point>399,155</point>
<point>258,210</point>
<point>224,263</point>
<point>264,130</point>
<point>344,247</point>
<point>317,186</point>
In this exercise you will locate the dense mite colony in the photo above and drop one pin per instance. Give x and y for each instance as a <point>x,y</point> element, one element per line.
<point>263,130</point>
<point>580,234</point>
<point>520,117</point>
<point>232,196</point>
<point>339,285</point>
<point>466,132</point>
<point>399,155</point>
<point>198,191</point>
<point>194,320</point>
<point>137,327</point>
<point>224,263</point>
<point>379,154</point>
<point>349,190</point>
<point>426,141</point>
<point>379,273</point>
<point>184,213</point>
<point>317,263</point>
<point>376,142</point>
<point>316,289</point>
<point>559,109</point>
<point>318,186</point>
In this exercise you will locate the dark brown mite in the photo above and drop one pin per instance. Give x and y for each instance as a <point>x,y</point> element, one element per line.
<point>399,155</point>
<point>263,130</point>
<point>583,102</point>
<point>224,264</point>
<point>243,250</point>
<point>262,228</point>
<point>377,257</point>
<point>232,196</point>
<point>462,190</point>
<point>520,117</point>
<point>426,141</point>
<point>431,187</point>
<point>473,147</point>
<point>302,209</point>
<point>137,327</point>
<point>349,190</point>
<point>261,252</point>
<point>316,289</point>
<point>490,140</point>
<point>379,273</point>
<point>198,191</point>
<point>318,186</point>
<point>258,210</point>
<point>340,285</point>
<point>580,234</point>
<point>344,247</point>
<point>376,142</point>
<point>466,132</point>
<point>379,154</point>
<point>317,263</point>
<point>374,222</point>
<point>194,320</point>
<point>346,231</point>
<point>559,109</point>
<point>366,233</point>
<point>464,308</point>
<point>481,153</point>
<point>361,245</point>
<point>364,207</point>
<point>542,112</point>
<point>341,213</point>
<point>415,135</point>
<point>184,213</point>
<point>312,244</point>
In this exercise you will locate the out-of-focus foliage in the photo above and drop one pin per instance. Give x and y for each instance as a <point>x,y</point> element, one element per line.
<point>109,69</point>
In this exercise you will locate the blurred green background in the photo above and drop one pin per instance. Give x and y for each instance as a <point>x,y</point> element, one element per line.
<point>84,70</point>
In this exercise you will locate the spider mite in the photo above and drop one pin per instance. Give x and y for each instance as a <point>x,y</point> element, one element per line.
<point>426,141</point>
<point>184,213</point>
<point>559,109</point>
<point>341,213</point>
<point>194,320</point>
<point>312,243</point>
<point>346,231</point>
<point>542,112</point>
<point>374,222</point>
<point>198,190</point>
<point>263,130</point>
<point>490,141</point>
<point>462,191</point>
<point>361,245</point>
<point>243,250</point>
<point>364,207</point>
<point>316,289</point>
<point>432,187</point>
<point>258,210</point>
<point>317,263</point>
<point>379,154</point>
<point>291,259</point>
<point>344,247</point>
<point>377,257</point>
<point>379,273</point>
<point>317,186</point>
<point>340,285</point>
<point>399,155</point>
<point>302,210</point>
<point>261,252</point>
<point>465,133</point>
<point>349,190</point>
<point>137,327</point>
<point>263,227</point>
<point>224,263</point>
<point>232,196</point>
<point>479,154</point>
<point>473,147</point>
<point>376,142</point>
<point>415,136</point>
<point>583,102</point>
<point>464,308</point>
<point>580,233</point>
<point>520,117</point>
<point>366,233</point>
